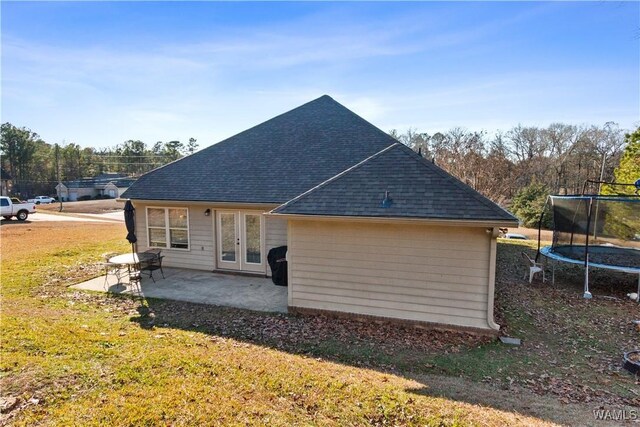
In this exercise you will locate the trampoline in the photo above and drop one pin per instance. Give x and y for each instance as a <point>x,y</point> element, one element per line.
<point>596,231</point>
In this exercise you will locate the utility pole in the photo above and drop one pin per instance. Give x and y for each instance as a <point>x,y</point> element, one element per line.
<point>58,175</point>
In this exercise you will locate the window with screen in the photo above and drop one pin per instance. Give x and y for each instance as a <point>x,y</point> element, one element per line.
<point>168,228</point>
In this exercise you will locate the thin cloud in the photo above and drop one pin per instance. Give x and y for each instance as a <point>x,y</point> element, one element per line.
<point>420,66</point>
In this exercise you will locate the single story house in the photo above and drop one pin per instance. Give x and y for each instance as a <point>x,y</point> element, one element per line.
<point>372,228</point>
<point>108,184</point>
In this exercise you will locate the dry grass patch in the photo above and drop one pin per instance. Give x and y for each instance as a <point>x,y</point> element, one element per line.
<point>29,241</point>
<point>84,207</point>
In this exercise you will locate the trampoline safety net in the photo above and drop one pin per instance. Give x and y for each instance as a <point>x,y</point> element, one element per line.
<point>607,228</point>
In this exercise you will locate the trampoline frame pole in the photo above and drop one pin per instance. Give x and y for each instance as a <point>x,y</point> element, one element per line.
<point>595,227</point>
<point>540,225</point>
<point>587,294</point>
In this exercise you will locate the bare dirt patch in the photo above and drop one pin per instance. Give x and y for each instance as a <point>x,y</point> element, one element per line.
<point>513,399</point>
<point>87,207</point>
<point>361,343</point>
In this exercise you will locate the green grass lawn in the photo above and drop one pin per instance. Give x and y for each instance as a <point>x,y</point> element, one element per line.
<point>76,358</point>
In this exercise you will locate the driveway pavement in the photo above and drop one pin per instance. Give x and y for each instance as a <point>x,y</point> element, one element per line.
<point>107,217</point>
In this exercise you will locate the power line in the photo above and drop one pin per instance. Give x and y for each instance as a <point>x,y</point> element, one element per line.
<point>165,156</point>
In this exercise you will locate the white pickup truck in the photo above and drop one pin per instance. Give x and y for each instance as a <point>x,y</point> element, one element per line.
<point>8,209</point>
<point>42,199</point>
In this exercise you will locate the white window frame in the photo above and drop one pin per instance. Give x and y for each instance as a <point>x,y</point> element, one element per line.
<point>167,228</point>
<point>243,237</point>
<point>223,264</point>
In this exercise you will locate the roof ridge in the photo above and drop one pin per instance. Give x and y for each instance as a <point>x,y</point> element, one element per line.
<point>306,104</point>
<point>335,177</point>
<point>458,183</point>
<point>363,120</point>
<point>226,140</point>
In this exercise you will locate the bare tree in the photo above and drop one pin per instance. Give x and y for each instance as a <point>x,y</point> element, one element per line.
<point>562,140</point>
<point>559,157</point>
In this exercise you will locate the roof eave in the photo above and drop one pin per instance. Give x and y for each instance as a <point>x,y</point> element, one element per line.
<point>209,203</point>
<point>406,220</point>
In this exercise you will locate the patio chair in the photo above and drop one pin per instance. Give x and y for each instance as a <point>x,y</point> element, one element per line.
<point>113,269</point>
<point>532,267</point>
<point>153,263</point>
<point>135,280</point>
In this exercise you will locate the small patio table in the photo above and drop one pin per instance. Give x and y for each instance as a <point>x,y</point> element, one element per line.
<point>132,261</point>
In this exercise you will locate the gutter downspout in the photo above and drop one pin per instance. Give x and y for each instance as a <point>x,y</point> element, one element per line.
<point>289,266</point>
<point>493,248</point>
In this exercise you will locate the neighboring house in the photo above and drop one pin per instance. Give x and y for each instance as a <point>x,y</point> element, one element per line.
<point>5,182</point>
<point>106,184</point>
<point>372,228</point>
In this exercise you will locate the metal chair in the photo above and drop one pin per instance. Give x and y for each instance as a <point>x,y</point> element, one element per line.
<point>135,280</point>
<point>532,267</point>
<point>153,263</point>
<point>114,270</point>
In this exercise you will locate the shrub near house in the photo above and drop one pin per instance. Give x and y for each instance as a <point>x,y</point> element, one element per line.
<point>528,204</point>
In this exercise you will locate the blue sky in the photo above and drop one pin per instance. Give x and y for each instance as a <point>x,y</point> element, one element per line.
<point>99,73</point>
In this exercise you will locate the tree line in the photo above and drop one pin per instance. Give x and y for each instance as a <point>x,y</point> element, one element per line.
<point>520,167</point>
<point>36,166</point>
<point>522,163</point>
<point>558,158</point>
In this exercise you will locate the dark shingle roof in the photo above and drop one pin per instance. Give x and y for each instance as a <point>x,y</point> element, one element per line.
<point>101,180</point>
<point>417,188</point>
<point>269,163</point>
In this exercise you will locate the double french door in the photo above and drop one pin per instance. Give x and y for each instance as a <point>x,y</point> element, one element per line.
<point>240,241</point>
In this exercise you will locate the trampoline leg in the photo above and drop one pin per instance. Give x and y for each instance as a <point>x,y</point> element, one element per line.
<point>587,294</point>
<point>638,294</point>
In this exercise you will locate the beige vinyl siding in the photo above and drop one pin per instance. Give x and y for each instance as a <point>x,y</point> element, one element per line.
<point>275,235</point>
<point>413,272</point>
<point>200,255</point>
<point>202,247</point>
<point>275,232</point>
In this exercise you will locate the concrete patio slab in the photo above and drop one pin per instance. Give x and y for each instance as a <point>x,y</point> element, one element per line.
<point>252,293</point>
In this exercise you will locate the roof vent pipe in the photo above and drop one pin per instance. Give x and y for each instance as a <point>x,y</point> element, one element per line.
<point>387,201</point>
